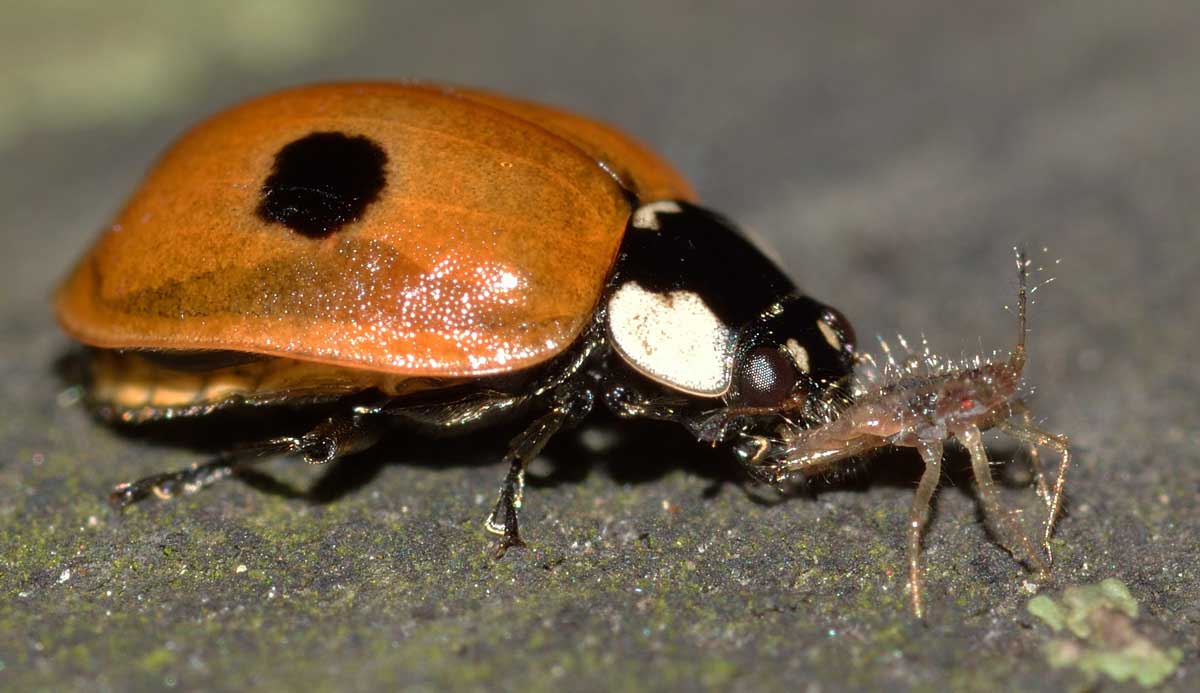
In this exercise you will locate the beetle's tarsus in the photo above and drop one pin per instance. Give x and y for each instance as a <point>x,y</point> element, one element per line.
<point>507,543</point>
<point>503,520</point>
<point>124,495</point>
<point>508,528</point>
<point>167,486</point>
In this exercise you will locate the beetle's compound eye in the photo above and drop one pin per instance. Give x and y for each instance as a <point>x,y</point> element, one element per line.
<point>765,377</point>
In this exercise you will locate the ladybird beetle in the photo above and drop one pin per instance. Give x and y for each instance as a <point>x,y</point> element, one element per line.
<point>444,257</point>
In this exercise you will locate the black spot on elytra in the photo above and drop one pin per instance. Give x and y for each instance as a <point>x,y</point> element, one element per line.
<point>322,181</point>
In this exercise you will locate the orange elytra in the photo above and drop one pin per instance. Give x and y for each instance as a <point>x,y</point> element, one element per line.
<point>459,267</point>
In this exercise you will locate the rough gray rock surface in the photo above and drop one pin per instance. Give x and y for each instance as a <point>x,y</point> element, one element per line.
<point>893,154</point>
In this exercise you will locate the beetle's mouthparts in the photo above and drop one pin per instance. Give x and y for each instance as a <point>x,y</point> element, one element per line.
<point>751,449</point>
<point>764,457</point>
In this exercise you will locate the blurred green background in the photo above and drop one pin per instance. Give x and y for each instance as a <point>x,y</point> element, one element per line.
<point>893,153</point>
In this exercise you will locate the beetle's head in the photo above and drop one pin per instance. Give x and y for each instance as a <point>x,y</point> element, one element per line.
<point>790,358</point>
<point>789,368</point>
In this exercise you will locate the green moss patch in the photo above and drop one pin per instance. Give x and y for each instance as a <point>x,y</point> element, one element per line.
<point>1106,641</point>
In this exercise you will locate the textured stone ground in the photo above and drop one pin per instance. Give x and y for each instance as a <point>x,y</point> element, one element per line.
<point>893,156</point>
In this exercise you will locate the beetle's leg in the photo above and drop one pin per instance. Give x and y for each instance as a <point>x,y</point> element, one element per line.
<point>335,437</point>
<point>629,402</point>
<point>1035,437</point>
<point>712,426</point>
<point>459,414</point>
<point>1017,541</point>
<point>918,516</point>
<point>571,404</point>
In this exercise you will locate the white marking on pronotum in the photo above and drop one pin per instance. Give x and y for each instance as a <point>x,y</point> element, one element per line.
<point>799,355</point>
<point>646,216</point>
<point>674,338</point>
<point>830,334</point>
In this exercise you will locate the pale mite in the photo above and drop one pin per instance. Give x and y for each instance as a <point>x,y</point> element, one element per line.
<point>920,400</point>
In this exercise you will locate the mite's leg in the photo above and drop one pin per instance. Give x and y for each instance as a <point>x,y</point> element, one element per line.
<point>570,405</point>
<point>931,453</point>
<point>333,438</point>
<point>972,439</point>
<point>1035,459</point>
<point>1035,437</point>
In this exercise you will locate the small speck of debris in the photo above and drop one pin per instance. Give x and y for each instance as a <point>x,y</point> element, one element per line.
<point>69,397</point>
<point>241,568</point>
<point>596,440</point>
<point>66,575</point>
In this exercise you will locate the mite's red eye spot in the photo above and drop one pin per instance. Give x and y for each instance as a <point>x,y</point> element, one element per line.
<point>966,403</point>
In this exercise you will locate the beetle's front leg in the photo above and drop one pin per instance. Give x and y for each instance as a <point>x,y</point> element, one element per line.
<point>629,402</point>
<point>713,426</point>
<point>572,401</point>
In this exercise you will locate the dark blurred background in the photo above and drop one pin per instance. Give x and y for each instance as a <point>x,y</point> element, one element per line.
<point>892,152</point>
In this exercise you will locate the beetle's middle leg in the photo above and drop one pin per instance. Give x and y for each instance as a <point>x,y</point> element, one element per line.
<point>571,403</point>
<point>333,438</point>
